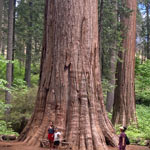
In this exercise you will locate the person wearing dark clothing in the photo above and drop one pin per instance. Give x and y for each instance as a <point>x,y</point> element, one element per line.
<point>122,142</point>
<point>51,134</point>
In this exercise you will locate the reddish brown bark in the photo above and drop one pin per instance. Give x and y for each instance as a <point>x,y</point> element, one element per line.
<point>70,92</point>
<point>124,104</point>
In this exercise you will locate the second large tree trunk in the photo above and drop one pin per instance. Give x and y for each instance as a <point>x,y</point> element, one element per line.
<point>124,102</point>
<point>70,92</point>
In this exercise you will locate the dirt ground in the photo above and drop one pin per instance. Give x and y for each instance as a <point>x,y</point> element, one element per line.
<point>21,146</point>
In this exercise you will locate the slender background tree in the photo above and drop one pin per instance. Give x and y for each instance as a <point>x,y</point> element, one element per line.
<point>29,47</point>
<point>124,103</point>
<point>10,49</point>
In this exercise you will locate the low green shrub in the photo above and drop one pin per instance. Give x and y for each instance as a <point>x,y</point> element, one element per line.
<point>22,107</point>
<point>23,98</point>
<point>140,132</point>
<point>5,127</point>
<point>142,82</point>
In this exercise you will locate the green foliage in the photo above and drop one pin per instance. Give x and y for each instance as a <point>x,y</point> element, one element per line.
<point>35,69</point>
<point>106,87</point>
<point>35,79</point>
<point>22,106</point>
<point>29,22</point>
<point>111,35</point>
<point>2,67</point>
<point>141,132</point>
<point>143,28</point>
<point>123,10</point>
<point>23,98</point>
<point>142,81</point>
<point>3,107</point>
<point>5,127</point>
<point>18,74</point>
<point>18,69</point>
<point>143,113</point>
<point>3,85</point>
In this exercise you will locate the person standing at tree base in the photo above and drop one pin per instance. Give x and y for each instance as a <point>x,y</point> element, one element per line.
<point>56,139</point>
<point>51,135</point>
<point>122,142</point>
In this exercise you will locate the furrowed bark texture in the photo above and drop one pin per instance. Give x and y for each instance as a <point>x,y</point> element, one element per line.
<point>70,92</point>
<point>124,103</point>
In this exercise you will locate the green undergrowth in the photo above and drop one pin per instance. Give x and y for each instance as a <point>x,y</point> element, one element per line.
<point>23,97</point>
<point>138,134</point>
<point>142,82</point>
<point>22,107</point>
<point>5,126</point>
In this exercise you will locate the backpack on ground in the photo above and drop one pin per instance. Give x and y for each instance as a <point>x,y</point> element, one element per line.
<point>127,140</point>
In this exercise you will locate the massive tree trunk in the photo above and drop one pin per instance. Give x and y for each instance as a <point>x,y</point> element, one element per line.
<point>1,12</point>
<point>9,49</point>
<point>70,92</point>
<point>124,104</point>
<point>29,49</point>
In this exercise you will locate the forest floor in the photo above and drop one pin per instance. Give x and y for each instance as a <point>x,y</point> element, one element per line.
<point>21,146</point>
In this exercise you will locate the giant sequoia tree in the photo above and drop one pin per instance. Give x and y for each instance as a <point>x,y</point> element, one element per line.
<point>70,92</point>
<point>124,104</point>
